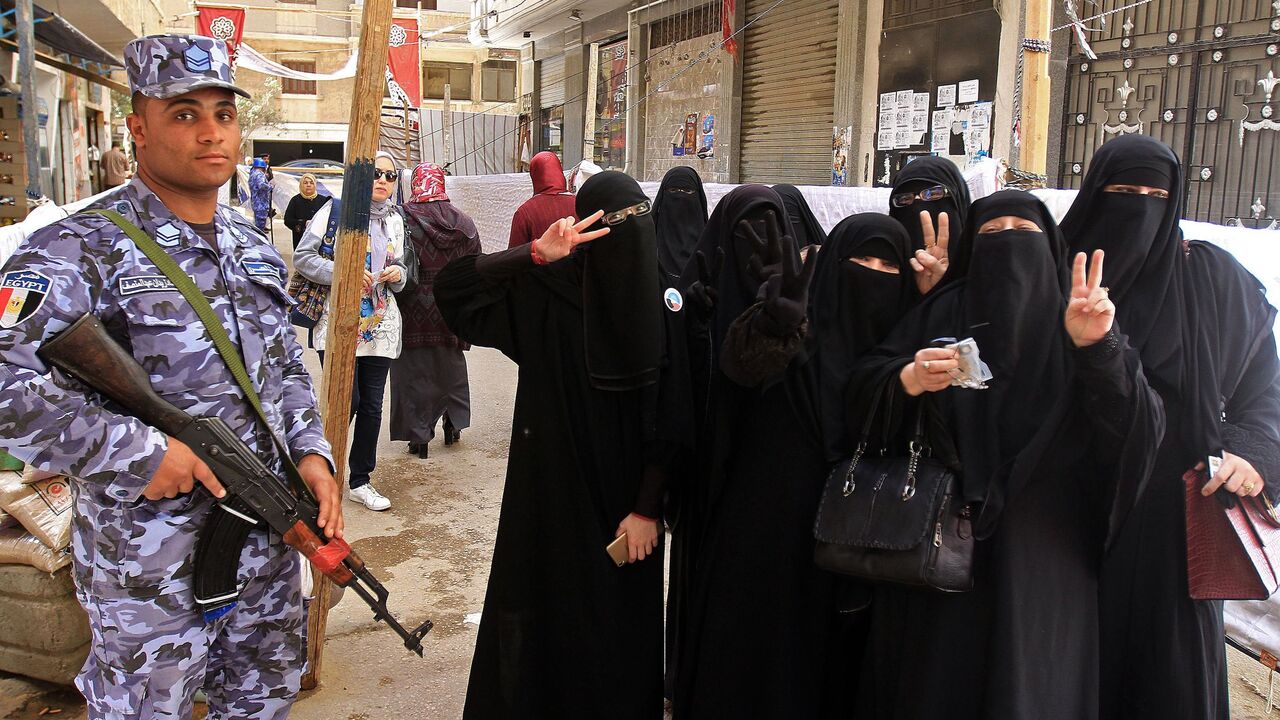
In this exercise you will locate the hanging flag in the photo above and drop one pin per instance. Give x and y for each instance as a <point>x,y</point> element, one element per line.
<point>404,63</point>
<point>727,9</point>
<point>226,24</point>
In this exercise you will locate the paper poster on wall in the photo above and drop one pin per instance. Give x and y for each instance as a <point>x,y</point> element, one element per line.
<point>902,138</point>
<point>888,101</point>
<point>920,121</point>
<point>884,139</point>
<point>691,134</point>
<point>946,95</point>
<point>707,145</point>
<point>840,154</point>
<point>941,143</point>
<point>905,98</point>
<point>920,101</point>
<point>902,117</point>
<point>942,120</point>
<point>886,118</point>
<point>981,116</point>
<point>967,92</point>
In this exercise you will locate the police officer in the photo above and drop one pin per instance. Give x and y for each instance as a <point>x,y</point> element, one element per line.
<point>142,497</point>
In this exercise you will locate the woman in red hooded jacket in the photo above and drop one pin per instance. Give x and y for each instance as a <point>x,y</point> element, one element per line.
<point>551,200</point>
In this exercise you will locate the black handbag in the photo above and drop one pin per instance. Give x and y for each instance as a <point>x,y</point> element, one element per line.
<point>892,519</point>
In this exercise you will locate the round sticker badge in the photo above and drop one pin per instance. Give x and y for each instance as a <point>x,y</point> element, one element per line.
<point>673,299</point>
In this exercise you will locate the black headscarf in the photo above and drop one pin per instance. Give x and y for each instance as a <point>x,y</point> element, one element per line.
<point>927,172</point>
<point>804,226</point>
<point>620,289</point>
<point>736,286</point>
<point>679,217</point>
<point>852,308</point>
<point>1169,297</point>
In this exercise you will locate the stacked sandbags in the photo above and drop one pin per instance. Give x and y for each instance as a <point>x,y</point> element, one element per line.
<point>37,531</point>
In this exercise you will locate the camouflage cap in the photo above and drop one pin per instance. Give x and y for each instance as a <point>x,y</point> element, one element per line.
<point>165,66</point>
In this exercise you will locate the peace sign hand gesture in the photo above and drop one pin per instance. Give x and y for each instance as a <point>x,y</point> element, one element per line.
<point>564,235</point>
<point>931,263</point>
<point>1090,312</point>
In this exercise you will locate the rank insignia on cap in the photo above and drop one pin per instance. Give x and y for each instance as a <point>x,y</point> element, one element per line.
<point>673,299</point>
<point>196,59</point>
<point>167,235</point>
<point>22,292</point>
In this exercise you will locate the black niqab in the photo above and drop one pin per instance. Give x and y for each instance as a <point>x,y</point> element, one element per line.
<point>621,314</point>
<point>923,173</point>
<point>736,286</point>
<point>852,308</point>
<point>804,226</point>
<point>679,218</point>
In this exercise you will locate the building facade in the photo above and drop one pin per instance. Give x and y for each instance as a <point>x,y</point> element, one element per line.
<point>794,96</point>
<point>319,36</point>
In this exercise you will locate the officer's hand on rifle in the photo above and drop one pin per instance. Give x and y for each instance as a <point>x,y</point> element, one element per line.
<point>178,474</point>
<point>316,473</point>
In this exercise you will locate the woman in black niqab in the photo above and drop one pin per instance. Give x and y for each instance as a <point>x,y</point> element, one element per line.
<point>565,632</point>
<point>806,228</point>
<point>1204,330</point>
<point>679,214</point>
<point>921,174</point>
<point>1027,452</point>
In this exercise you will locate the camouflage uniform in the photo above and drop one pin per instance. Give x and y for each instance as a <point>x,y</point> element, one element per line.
<point>133,557</point>
<point>260,196</point>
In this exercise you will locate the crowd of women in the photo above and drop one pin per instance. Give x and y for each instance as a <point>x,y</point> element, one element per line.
<point>707,373</point>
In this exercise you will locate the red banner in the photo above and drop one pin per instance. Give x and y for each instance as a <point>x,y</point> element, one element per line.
<point>222,23</point>
<point>727,9</point>
<point>404,63</point>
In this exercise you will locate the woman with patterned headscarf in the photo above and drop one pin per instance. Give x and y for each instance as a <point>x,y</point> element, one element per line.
<point>379,339</point>
<point>429,379</point>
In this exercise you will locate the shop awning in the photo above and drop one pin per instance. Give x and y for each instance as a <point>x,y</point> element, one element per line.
<point>56,32</point>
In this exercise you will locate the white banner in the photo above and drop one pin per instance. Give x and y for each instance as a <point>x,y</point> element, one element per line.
<point>250,59</point>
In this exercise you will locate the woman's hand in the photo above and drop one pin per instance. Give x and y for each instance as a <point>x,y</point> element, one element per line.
<point>930,371</point>
<point>931,263</point>
<point>1235,474</point>
<point>642,536</point>
<point>1090,312</point>
<point>390,274</point>
<point>368,281</point>
<point>564,235</point>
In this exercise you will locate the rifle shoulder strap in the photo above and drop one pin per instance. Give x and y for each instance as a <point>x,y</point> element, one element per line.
<point>212,326</point>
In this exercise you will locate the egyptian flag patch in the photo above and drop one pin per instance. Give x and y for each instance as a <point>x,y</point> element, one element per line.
<point>22,292</point>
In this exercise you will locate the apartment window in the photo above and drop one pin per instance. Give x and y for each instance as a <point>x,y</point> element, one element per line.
<point>299,2</point>
<point>289,86</point>
<point>415,4</point>
<point>456,75</point>
<point>498,80</point>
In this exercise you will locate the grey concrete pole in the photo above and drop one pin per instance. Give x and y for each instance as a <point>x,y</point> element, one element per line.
<point>30,103</point>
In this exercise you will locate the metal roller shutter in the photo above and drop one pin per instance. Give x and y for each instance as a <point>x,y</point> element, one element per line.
<point>788,92</point>
<point>551,74</point>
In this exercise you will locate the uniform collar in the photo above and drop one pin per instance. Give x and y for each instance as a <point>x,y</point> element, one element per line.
<point>144,208</point>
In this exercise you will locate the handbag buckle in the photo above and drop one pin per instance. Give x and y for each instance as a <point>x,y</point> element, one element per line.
<point>849,484</point>
<point>909,490</point>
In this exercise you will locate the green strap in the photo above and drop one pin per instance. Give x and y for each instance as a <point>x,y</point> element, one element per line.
<point>217,333</point>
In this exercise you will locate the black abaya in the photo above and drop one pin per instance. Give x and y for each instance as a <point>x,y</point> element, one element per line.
<point>679,214</point>
<point>1042,467</point>
<point>1204,331</point>
<point>759,629</point>
<point>564,632</point>
<point>926,172</point>
<point>805,227</point>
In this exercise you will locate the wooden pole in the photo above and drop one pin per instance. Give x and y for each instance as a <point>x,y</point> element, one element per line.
<point>1034,154</point>
<point>30,100</point>
<point>589,122</point>
<point>348,274</point>
<point>446,120</point>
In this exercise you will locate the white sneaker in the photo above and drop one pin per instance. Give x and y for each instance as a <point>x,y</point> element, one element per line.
<point>371,498</point>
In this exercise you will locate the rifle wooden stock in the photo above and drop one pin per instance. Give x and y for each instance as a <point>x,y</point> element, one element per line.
<point>88,352</point>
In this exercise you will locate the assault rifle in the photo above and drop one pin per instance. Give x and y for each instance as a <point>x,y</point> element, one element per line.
<point>255,494</point>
